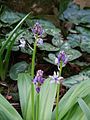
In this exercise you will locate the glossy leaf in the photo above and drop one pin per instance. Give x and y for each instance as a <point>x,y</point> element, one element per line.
<point>76,79</point>
<point>76,15</point>
<point>72,54</point>
<point>7,112</point>
<point>57,40</point>
<point>84,107</point>
<point>16,69</point>
<point>47,98</point>
<point>24,86</point>
<point>9,17</point>
<point>71,97</point>
<point>76,112</point>
<point>48,47</point>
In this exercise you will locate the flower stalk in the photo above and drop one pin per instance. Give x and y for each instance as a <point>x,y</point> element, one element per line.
<point>32,74</point>
<point>37,107</point>
<point>58,89</point>
<point>38,80</point>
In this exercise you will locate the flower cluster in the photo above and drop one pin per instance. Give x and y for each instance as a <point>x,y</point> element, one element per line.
<point>38,33</point>
<point>61,57</point>
<point>38,80</point>
<point>37,29</point>
<point>56,78</point>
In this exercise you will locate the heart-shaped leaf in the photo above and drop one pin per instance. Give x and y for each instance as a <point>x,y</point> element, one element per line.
<point>48,47</point>
<point>16,69</point>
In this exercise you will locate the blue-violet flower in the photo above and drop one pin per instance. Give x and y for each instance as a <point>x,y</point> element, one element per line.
<point>56,78</point>
<point>38,80</point>
<point>61,57</point>
<point>39,41</point>
<point>37,30</point>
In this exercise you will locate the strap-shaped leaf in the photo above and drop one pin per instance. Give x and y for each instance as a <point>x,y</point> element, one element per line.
<point>75,113</point>
<point>47,98</point>
<point>71,98</point>
<point>7,112</point>
<point>24,86</point>
<point>84,108</point>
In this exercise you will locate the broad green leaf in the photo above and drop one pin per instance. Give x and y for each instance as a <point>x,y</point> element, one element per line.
<point>83,30</point>
<point>76,79</point>
<point>51,58</point>
<point>81,90</point>
<point>47,98</point>
<point>74,40</point>
<point>48,60</point>
<point>84,107</point>
<point>86,72</point>
<point>71,98</point>
<point>9,17</point>
<point>49,27</point>
<point>75,113</point>
<point>85,46</point>
<point>48,47</point>
<point>16,69</point>
<point>57,40</point>
<point>26,51</point>
<point>79,40</point>
<point>72,54</point>
<point>24,87</point>
<point>28,104</point>
<point>7,112</point>
<point>80,63</point>
<point>76,15</point>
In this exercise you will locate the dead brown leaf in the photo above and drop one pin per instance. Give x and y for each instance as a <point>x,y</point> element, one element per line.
<point>82,3</point>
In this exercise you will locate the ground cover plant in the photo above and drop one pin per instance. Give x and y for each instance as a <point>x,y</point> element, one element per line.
<point>45,66</point>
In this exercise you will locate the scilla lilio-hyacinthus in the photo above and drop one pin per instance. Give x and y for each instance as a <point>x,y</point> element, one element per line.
<point>38,80</point>
<point>60,61</point>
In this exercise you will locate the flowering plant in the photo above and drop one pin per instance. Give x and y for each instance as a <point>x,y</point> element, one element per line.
<point>37,94</point>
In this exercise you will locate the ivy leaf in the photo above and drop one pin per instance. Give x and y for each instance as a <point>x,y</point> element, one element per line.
<point>57,40</point>
<point>9,17</point>
<point>76,79</point>
<point>16,69</point>
<point>48,47</point>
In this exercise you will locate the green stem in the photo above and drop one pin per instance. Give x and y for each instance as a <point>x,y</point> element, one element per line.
<point>60,68</point>
<point>58,89</point>
<point>33,60</point>
<point>32,74</point>
<point>37,107</point>
<point>57,100</point>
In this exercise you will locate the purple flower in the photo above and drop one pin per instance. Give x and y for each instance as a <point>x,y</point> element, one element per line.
<point>38,89</point>
<point>39,73</point>
<point>38,80</point>
<point>56,78</point>
<point>37,29</point>
<point>40,41</point>
<point>61,57</point>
